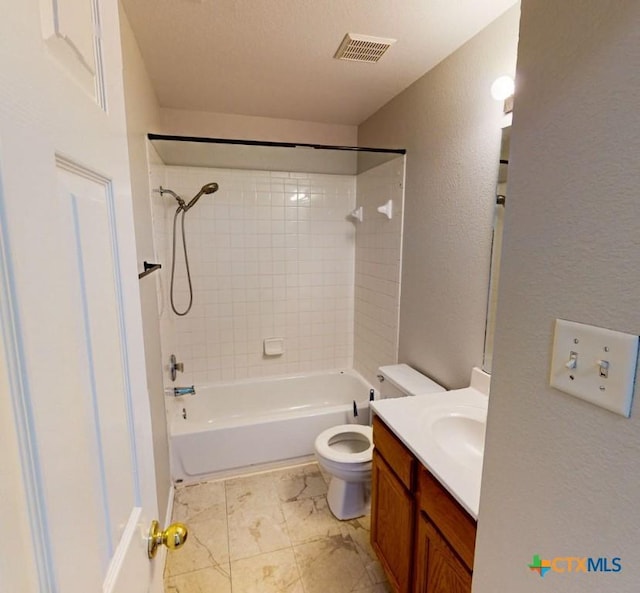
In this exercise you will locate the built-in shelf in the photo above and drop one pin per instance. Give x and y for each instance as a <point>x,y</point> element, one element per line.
<point>148,268</point>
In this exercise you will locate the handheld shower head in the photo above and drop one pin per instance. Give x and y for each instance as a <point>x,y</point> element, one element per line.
<point>208,188</point>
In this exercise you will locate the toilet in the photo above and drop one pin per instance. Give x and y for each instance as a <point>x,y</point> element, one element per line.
<point>345,451</point>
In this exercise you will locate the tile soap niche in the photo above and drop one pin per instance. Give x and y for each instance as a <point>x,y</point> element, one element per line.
<point>273,346</point>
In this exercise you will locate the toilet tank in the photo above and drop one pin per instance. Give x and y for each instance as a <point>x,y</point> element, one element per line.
<point>398,380</point>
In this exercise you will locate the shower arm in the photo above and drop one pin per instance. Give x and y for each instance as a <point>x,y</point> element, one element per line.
<point>208,188</point>
<point>181,203</point>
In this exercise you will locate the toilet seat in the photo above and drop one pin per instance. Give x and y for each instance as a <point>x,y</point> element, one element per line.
<point>323,444</point>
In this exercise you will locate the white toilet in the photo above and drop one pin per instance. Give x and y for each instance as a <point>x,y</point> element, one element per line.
<point>345,451</point>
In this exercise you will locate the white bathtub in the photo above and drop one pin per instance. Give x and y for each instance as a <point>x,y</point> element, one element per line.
<point>236,425</point>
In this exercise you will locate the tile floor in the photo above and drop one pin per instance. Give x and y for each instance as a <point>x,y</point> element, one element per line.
<point>270,533</point>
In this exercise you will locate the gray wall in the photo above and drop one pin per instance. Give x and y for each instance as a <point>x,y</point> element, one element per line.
<point>561,476</point>
<point>450,126</point>
<point>142,115</point>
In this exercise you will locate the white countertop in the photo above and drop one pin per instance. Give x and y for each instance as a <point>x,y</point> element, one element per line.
<point>408,418</point>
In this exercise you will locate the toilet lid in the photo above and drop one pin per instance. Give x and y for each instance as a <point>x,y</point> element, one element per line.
<point>323,444</point>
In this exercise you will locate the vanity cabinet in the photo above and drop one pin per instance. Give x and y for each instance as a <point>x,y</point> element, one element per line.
<point>445,540</point>
<point>393,506</point>
<point>423,538</point>
<point>437,568</point>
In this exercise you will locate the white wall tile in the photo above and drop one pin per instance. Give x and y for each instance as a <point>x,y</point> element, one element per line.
<point>252,250</point>
<point>377,269</point>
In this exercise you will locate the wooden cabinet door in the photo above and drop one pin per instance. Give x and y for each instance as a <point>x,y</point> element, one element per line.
<point>437,568</point>
<point>392,519</point>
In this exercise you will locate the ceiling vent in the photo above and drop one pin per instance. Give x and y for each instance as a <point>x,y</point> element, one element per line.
<point>362,48</point>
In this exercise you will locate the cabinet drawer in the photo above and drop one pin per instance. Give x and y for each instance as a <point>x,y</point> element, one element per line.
<point>395,453</point>
<point>455,524</point>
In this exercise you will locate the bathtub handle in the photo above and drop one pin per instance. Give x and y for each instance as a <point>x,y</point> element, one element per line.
<point>175,366</point>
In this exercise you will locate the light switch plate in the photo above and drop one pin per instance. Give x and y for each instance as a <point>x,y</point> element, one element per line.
<point>605,365</point>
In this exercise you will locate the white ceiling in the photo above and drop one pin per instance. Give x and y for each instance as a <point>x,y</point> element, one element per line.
<point>274,58</point>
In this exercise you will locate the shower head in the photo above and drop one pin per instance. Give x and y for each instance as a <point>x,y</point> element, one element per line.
<point>208,188</point>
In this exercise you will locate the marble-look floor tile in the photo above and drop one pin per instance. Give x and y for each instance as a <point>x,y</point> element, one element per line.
<point>207,545</point>
<point>256,531</point>
<point>275,572</point>
<point>192,503</point>
<point>360,532</point>
<point>273,533</point>
<point>380,588</point>
<point>200,581</point>
<point>253,492</point>
<point>325,474</point>
<point>309,519</point>
<point>331,564</point>
<point>301,482</point>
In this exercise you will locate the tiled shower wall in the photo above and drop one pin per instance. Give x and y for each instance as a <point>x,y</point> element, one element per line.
<point>377,269</point>
<point>272,255</point>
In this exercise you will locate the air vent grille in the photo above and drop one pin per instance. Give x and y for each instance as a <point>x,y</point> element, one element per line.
<point>362,48</point>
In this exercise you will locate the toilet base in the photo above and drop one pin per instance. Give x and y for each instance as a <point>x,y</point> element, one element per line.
<point>348,500</point>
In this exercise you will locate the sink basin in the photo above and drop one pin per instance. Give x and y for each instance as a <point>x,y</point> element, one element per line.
<point>445,431</point>
<point>459,432</point>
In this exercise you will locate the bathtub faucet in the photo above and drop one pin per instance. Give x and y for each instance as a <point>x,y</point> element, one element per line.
<point>178,391</point>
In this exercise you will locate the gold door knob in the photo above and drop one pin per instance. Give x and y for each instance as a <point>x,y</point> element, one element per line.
<point>173,537</point>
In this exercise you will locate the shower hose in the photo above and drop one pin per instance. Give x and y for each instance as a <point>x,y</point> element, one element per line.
<point>186,263</point>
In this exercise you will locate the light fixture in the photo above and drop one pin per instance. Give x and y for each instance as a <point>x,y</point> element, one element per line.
<point>502,88</point>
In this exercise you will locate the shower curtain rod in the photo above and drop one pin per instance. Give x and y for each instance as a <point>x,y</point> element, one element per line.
<point>276,144</point>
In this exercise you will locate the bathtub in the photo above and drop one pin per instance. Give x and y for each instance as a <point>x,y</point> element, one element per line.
<point>228,426</point>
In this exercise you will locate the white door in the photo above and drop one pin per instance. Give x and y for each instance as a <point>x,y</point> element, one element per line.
<point>76,462</point>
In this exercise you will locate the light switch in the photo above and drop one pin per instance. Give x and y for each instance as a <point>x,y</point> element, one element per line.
<point>595,364</point>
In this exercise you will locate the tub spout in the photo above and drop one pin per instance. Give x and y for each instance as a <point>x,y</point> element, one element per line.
<point>178,391</point>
